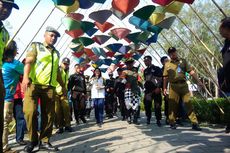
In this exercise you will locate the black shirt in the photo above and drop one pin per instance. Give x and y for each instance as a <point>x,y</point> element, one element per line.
<point>77,83</point>
<point>153,77</point>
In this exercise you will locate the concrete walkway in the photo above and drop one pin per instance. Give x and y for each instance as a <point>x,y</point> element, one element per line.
<point>118,136</point>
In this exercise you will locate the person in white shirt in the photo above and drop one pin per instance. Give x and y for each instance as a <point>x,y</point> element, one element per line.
<point>98,95</point>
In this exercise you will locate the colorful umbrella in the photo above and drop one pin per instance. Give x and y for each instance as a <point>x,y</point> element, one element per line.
<point>85,41</point>
<point>114,47</point>
<point>144,12</point>
<point>75,33</point>
<point>119,14</point>
<point>78,54</point>
<point>79,60</point>
<point>71,24</point>
<point>166,23</point>
<point>69,9</point>
<point>103,27</point>
<point>101,39</point>
<point>110,54</point>
<point>133,37</point>
<point>98,1</point>
<point>94,58</point>
<point>91,32</point>
<point>99,51</point>
<point>156,18</point>
<point>100,16</point>
<point>76,48</point>
<point>75,16</point>
<point>162,2</point>
<point>63,2</point>
<point>124,49</point>
<point>174,7</point>
<point>125,6</point>
<point>120,32</point>
<point>107,61</point>
<point>139,23</point>
<point>85,4</point>
<point>88,52</point>
<point>152,39</point>
<point>186,1</point>
<point>86,25</point>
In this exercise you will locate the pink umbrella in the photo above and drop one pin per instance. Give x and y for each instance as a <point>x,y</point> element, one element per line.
<point>120,32</point>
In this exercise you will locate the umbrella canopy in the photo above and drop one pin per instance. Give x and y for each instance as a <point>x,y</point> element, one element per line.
<point>75,16</point>
<point>156,18</point>
<point>166,23</point>
<point>75,33</point>
<point>103,27</point>
<point>100,16</point>
<point>124,49</point>
<point>98,1</point>
<point>71,24</point>
<point>139,23</point>
<point>85,41</point>
<point>85,4</point>
<point>88,52</point>
<point>78,54</point>
<point>120,33</point>
<point>174,7</point>
<point>68,9</point>
<point>186,1</point>
<point>86,25</point>
<point>63,2</point>
<point>114,47</point>
<point>162,2</point>
<point>144,12</point>
<point>133,37</point>
<point>101,39</point>
<point>125,6</point>
<point>91,32</point>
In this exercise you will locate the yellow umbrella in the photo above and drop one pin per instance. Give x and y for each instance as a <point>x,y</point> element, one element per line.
<point>174,7</point>
<point>69,9</point>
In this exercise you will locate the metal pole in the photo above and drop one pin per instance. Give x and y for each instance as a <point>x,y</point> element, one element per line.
<point>219,8</point>
<point>206,47</point>
<point>37,33</point>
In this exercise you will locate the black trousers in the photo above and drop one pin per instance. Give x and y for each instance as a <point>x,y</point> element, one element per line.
<point>79,106</point>
<point>109,105</point>
<point>148,98</point>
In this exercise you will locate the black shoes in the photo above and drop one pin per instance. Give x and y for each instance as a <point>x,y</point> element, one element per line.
<point>158,123</point>
<point>60,131</point>
<point>30,146</point>
<point>47,146</point>
<point>173,126</point>
<point>68,129</point>
<point>196,127</point>
<point>21,142</point>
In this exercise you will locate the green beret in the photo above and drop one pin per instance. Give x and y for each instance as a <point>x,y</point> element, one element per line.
<point>51,29</point>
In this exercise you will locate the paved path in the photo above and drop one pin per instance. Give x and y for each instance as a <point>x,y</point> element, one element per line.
<point>118,136</point>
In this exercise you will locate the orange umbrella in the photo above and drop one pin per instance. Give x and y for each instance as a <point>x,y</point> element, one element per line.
<point>103,27</point>
<point>125,6</point>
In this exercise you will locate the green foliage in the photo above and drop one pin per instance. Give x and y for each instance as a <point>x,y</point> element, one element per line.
<point>208,111</point>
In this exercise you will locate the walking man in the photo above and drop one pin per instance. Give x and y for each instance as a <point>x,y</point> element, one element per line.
<point>153,82</point>
<point>174,73</point>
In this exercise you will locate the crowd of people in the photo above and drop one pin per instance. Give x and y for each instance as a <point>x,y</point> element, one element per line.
<point>41,94</point>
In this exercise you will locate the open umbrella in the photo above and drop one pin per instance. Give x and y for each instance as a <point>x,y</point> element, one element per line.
<point>75,33</point>
<point>125,6</point>
<point>75,16</point>
<point>120,33</point>
<point>85,4</point>
<point>103,27</point>
<point>71,24</point>
<point>162,2</point>
<point>166,23</point>
<point>100,16</point>
<point>174,7</point>
<point>114,47</point>
<point>63,2</point>
<point>101,39</point>
<point>69,9</point>
<point>98,1</point>
<point>144,12</point>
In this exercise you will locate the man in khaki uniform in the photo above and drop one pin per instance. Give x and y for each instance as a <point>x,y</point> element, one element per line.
<point>174,73</point>
<point>41,76</point>
<point>62,110</point>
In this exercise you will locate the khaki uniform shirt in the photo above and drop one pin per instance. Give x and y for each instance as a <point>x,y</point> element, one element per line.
<point>175,70</point>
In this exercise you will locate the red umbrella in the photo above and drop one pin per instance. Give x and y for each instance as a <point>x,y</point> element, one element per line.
<point>75,33</point>
<point>75,16</point>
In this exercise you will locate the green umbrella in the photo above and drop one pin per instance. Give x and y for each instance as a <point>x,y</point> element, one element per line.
<point>144,12</point>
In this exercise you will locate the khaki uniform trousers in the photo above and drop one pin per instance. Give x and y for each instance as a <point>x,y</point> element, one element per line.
<point>176,91</point>
<point>30,105</point>
<point>8,116</point>
<point>62,111</point>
